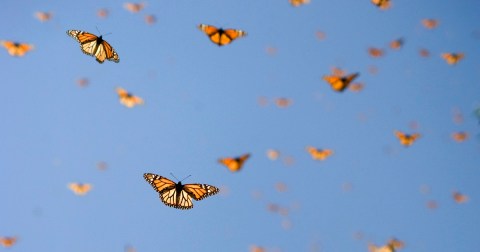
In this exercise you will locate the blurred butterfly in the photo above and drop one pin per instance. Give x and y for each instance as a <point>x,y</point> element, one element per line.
<point>397,44</point>
<point>127,99</point>
<point>95,46</point>
<point>150,19</point>
<point>177,195</point>
<point>460,136</point>
<point>79,188</point>
<point>15,48</point>
<point>8,241</point>
<point>273,154</point>
<point>430,23</point>
<point>283,102</point>
<point>220,36</point>
<point>375,52</point>
<point>459,197</point>
<point>319,154</point>
<point>102,13</point>
<point>234,164</point>
<point>382,4</point>
<point>424,52</point>
<point>391,246</point>
<point>296,3</point>
<point>338,83</point>
<point>356,87</point>
<point>134,7</point>
<point>452,58</point>
<point>406,139</point>
<point>255,248</point>
<point>43,16</point>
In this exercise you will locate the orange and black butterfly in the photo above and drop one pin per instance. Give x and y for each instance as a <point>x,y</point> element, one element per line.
<point>43,16</point>
<point>459,197</point>
<point>94,46</point>
<point>296,3</point>
<point>79,188</point>
<point>356,87</point>
<point>234,164</point>
<point>134,7</point>
<point>452,58</point>
<point>340,83</point>
<point>382,4</point>
<point>391,246</point>
<point>375,52</point>
<point>406,139</point>
<point>8,241</point>
<point>460,136</point>
<point>283,102</point>
<point>15,48</point>
<point>178,195</point>
<point>430,23</point>
<point>397,44</point>
<point>127,99</point>
<point>221,36</point>
<point>319,154</point>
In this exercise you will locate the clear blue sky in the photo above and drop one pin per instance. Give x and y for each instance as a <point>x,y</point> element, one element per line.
<point>201,104</point>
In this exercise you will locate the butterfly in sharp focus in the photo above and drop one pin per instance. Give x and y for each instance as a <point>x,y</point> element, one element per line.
<point>221,36</point>
<point>340,83</point>
<point>234,164</point>
<point>15,48</point>
<point>128,99</point>
<point>452,58</point>
<point>319,154</point>
<point>8,241</point>
<point>178,195</point>
<point>79,188</point>
<point>382,4</point>
<point>406,139</point>
<point>94,46</point>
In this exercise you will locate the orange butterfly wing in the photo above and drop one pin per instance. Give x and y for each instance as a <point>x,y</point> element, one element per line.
<point>8,241</point>
<point>95,46</point>
<point>16,49</point>
<point>339,84</point>
<point>219,36</point>
<point>234,164</point>
<point>128,99</point>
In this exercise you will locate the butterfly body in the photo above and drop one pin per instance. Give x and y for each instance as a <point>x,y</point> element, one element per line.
<point>406,139</point>
<point>178,195</point>
<point>220,36</point>
<point>340,83</point>
<point>234,164</point>
<point>95,46</point>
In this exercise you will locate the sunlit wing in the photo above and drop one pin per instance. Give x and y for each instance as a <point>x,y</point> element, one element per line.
<point>127,99</point>
<point>319,154</point>
<point>452,58</point>
<point>158,182</point>
<point>406,139</point>
<point>220,36</point>
<point>8,241</point>
<point>95,46</point>
<point>296,3</point>
<point>338,83</point>
<point>200,191</point>
<point>16,49</point>
<point>382,4</point>
<point>234,163</point>
<point>460,136</point>
<point>79,188</point>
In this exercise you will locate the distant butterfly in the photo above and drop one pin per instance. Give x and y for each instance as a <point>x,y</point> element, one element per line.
<point>397,44</point>
<point>460,136</point>
<point>319,154</point>
<point>177,195</point>
<point>273,154</point>
<point>255,248</point>
<point>134,7</point>
<point>356,87</point>
<point>220,36</point>
<point>43,16</point>
<point>430,23</point>
<point>102,13</point>
<point>79,188</point>
<point>8,241</point>
<point>391,246</point>
<point>95,46</point>
<point>375,52</point>
<point>406,139</point>
<point>424,52</point>
<point>234,164</point>
<point>127,99</point>
<point>382,4</point>
<point>15,48</point>
<point>338,83</point>
<point>283,102</point>
<point>452,58</point>
<point>150,19</point>
<point>296,3</point>
<point>459,197</point>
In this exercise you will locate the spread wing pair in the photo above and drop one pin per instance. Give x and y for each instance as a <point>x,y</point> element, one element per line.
<point>15,48</point>
<point>340,83</point>
<point>319,154</point>
<point>452,58</point>
<point>382,4</point>
<point>128,99</point>
<point>234,164</point>
<point>221,36</point>
<point>406,139</point>
<point>94,46</point>
<point>177,195</point>
<point>79,188</point>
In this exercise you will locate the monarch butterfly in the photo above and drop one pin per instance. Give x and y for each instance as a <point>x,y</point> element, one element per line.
<point>460,136</point>
<point>79,188</point>
<point>150,19</point>
<point>273,154</point>
<point>452,58</point>
<point>375,52</point>
<point>134,7</point>
<point>15,48</point>
<point>391,246</point>
<point>94,46</point>
<point>430,23</point>
<point>8,241</point>
<point>406,139</point>
<point>424,52</point>
<point>319,154</point>
<point>177,195</point>
<point>296,3</point>
<point>102,13</point>
<point>283,102</point>
<point>234,164</point>
<point>339,83</point>
<point>221,36</point>
<point>255,248</point>
<point>397,44</point>
<point>43,16</point>
<point>382,4</point>
<point>127,99</point>
<point>356,87</point>
<point>459,197</point>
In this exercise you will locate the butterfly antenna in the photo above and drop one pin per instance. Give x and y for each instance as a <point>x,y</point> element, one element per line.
<point>185,178</point>
<point>98,30</point>
<point>174,176</point>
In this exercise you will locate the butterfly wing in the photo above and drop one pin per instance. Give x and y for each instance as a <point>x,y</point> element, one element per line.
<point>335,82</point>
<point>219,36</point>
<point>128,99</point>
<point>234,164</point>
<point>16,49</point>
<point>80,189</point>
<point>200,191</point>
<point>90,45</point>
<point>169,194</point>
<point>8,241</point>
<point>382,4</point>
